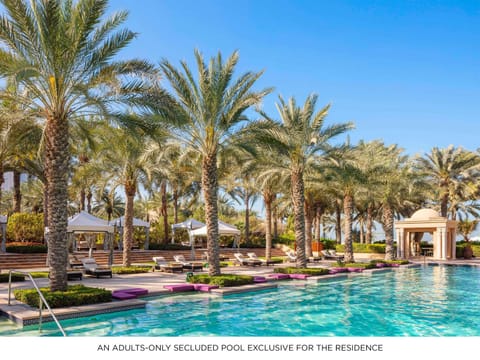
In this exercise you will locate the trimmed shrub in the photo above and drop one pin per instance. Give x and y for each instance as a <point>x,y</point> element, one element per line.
<point>26,248</point>
<point>131,269</point>
<point>25,227</point>
<point>399,262</point>
<point>364,248</point>
<point>15,277</point>
<point>39,274</point>
<point>273,260</point>
<point>328,244</point>
<point>156,246</point>
<point>360,265</point>
<point>287,239</point>
<point>74,296</point>
<point>307,271</point>
<point>224,280</point>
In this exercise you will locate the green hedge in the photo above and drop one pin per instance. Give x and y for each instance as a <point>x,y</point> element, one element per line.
<point>25,227</point>
<point>131,269</point>
<point>307,271</point>
<point>26,248</point>
<point>273,260</point>
<point>223,280</point>
<point>359,265</point>
<point>15,277</point>
<point>74,296</point>
<point>156,246</point>
<point>364,248</point>
<point>400,262</point>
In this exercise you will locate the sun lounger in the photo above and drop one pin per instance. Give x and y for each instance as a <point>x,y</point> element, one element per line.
<point>331,255</point>
<point>292,257</point>
<point>91,268</point>
<point>242,260</point>
<point>253,256</point>
<point>74,275</point>
<point>187,265</point>
<point>163,265</point>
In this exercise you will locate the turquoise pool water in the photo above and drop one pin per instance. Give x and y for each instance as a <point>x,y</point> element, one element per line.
<point>427,301</point>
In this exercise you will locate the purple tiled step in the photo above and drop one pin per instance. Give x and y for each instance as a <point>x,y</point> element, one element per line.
<point>204,287</point>
<point>179,287</point>
<point>279,276</point>
<point>119,295</point>
<point>337,270</point>
<point>135,291</point>
<point>299,276</point>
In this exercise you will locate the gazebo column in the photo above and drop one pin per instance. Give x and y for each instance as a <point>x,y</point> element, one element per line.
<point>400,244</point>
<point>453,233</point>
<point>443,239</point>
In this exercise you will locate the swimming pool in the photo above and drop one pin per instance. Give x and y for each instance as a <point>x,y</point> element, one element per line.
<point>426,301</point>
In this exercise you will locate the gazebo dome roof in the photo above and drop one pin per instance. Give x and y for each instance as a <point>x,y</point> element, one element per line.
<point>425,214</point>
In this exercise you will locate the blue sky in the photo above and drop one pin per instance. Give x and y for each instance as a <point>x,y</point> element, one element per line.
<point>405,71</point>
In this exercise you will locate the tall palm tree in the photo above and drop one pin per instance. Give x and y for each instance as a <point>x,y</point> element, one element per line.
<point>108,204</point>
<point>299,136</point>
<point>447,169</point>
<point>61,52</point>
<point>347,178</point>
<point>209,109</point>
<point>125,164</point>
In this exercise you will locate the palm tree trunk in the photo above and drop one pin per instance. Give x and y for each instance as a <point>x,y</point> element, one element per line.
<point>268,199</point>
<point>362,232</point>
<point>45,205</point>
<point>247,217</point>
<point>387,224</point>
<point>89,201</point>
<point>348,212</point>
<point>318,222</point>
<point>368,235</point>
<point>210,188</point>
<point>130,190</point>
<point>82,200</point>
<point>275,223</point>
<point>56,171</point>
<point>17,194</point>
<point>338,223</point>
<point>444,203</point>
<point>175,206</point>
<point>308,228</point>
<point>163,191</point>
<point>2,180</point>
<point>298,199</point>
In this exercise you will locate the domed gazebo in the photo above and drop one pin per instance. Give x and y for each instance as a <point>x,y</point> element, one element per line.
<point>427,220</point>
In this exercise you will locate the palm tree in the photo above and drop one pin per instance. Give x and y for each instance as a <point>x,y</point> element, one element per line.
<point>209,109</point>
<point>60,52</point>
<point>447,169</point>
<point>108,204</point>
<point>297,139</point>
<point>123,157</point>
<point>465,228</point>
<point>347,178</point>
